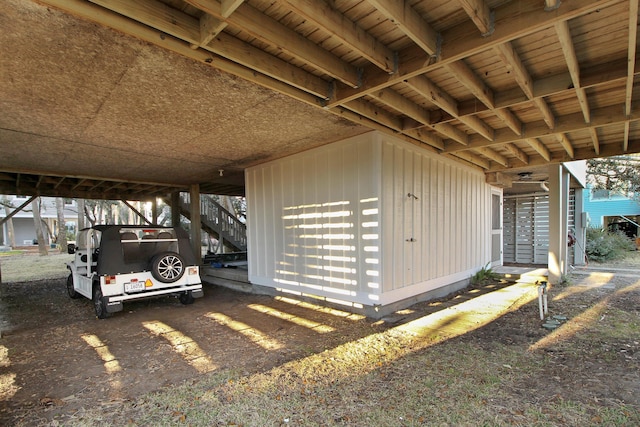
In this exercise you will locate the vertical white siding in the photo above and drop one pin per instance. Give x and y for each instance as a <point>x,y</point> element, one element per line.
<point>317,225</point>
<point>368,220</point>
<point>440,236</point>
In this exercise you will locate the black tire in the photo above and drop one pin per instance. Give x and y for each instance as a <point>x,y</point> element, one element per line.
<point>98,302</point>
<point>186,298</point>
<point>167,267</point>
<point>70,289</point>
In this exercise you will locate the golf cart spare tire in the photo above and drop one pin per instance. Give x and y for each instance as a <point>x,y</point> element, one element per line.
<point>167,267</point>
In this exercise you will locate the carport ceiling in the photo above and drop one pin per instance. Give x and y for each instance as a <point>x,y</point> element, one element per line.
<point>144,97</point>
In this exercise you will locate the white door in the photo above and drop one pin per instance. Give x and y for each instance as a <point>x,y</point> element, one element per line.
<point>496,227</point>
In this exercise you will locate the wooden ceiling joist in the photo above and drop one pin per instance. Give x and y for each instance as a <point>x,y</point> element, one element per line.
<point>517,153</point>
<point>539,147</point>
<point>512,21</point>
<point>480,14</point>
<point>518,83</point>
<point>272,32</point>
<point>419,114</point>
<point>347,31</point>
<point>566,42</point>
<point>410,23</point>
<point>595,139</point>
<point>566,144</point>
<point>493,155</point>
<point>631,67</point>
<point>564,124</point>
<point>514,64</point>
<point>474,159</point>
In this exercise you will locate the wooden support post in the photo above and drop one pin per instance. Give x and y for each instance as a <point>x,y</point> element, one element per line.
<point>196,227</point>
<point>175,209</point>
<point>154,211</point>
<point>558,222</point>
<point>580,231</point>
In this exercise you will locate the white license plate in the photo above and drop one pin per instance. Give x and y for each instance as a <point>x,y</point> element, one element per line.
<point>134,287</point>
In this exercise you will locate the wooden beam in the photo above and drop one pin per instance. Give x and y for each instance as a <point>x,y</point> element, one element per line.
<point>509,119</point>
<point>210,27</point>
<point>604,116</point>
<point>631,63</point>
<point>625,139</point>
<point>493,155</point>
<point>227,7</point>
<point>478,11</point>
<point>402,105</point>
<point>510,58</point>
<point>157,15</point>
<point>471,158</point>
<point>451,132</point>
<point>440,98</point>
<point>512,61</point>
<point>256,59</point>
<point>513,20</point>
<point>550,5</point>
<point>367,109</point>
<point>434,94</point>
<point>272,32</point>
<point>410,23</point>
<point>581,153</point>
<point>547,115</point>
<point>539,147</point>
<point>517,153</point>
<point>594,138</point>
<point>584,104</point>
<point>566,42</point>
<point>551,85</point>
<point>364,121</point>
<point>387,119</point>
<point>106,17</point>
<point>498,178</point>
<point>470,79</point>
<point>566,144</point>
<point>479,126</point>
<point>564,36</point>
<point>405,106</point>
<point>347,31</point>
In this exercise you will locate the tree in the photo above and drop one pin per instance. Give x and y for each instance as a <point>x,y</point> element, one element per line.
<point>94,211</point>
<point>37,221</point>
<point>11,236</point>
<point>62,225</point>
<point>620,174</point>
<point>81,215</point>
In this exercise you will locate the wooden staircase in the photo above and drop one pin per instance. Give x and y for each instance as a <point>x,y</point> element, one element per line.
<point>217,221</point>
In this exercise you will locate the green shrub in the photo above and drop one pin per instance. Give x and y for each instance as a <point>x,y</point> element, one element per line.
<point>606,246</point>
<point>484,276</point>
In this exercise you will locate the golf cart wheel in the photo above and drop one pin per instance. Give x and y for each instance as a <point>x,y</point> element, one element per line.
<point>98,302</point>
<point>70,289</point>
<point>167,267</point>
<point>186,298</point>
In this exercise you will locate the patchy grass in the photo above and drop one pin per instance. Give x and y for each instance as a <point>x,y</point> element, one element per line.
<point>444,385</point>
<point>28,267</point>
<point>568,377</point>
<point>509,372</point>
<point>630,259</point>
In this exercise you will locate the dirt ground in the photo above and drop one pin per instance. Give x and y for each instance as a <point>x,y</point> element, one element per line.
<point>56,358</point>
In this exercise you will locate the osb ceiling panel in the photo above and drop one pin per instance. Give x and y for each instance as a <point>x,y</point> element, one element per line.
<point>98,97</point>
